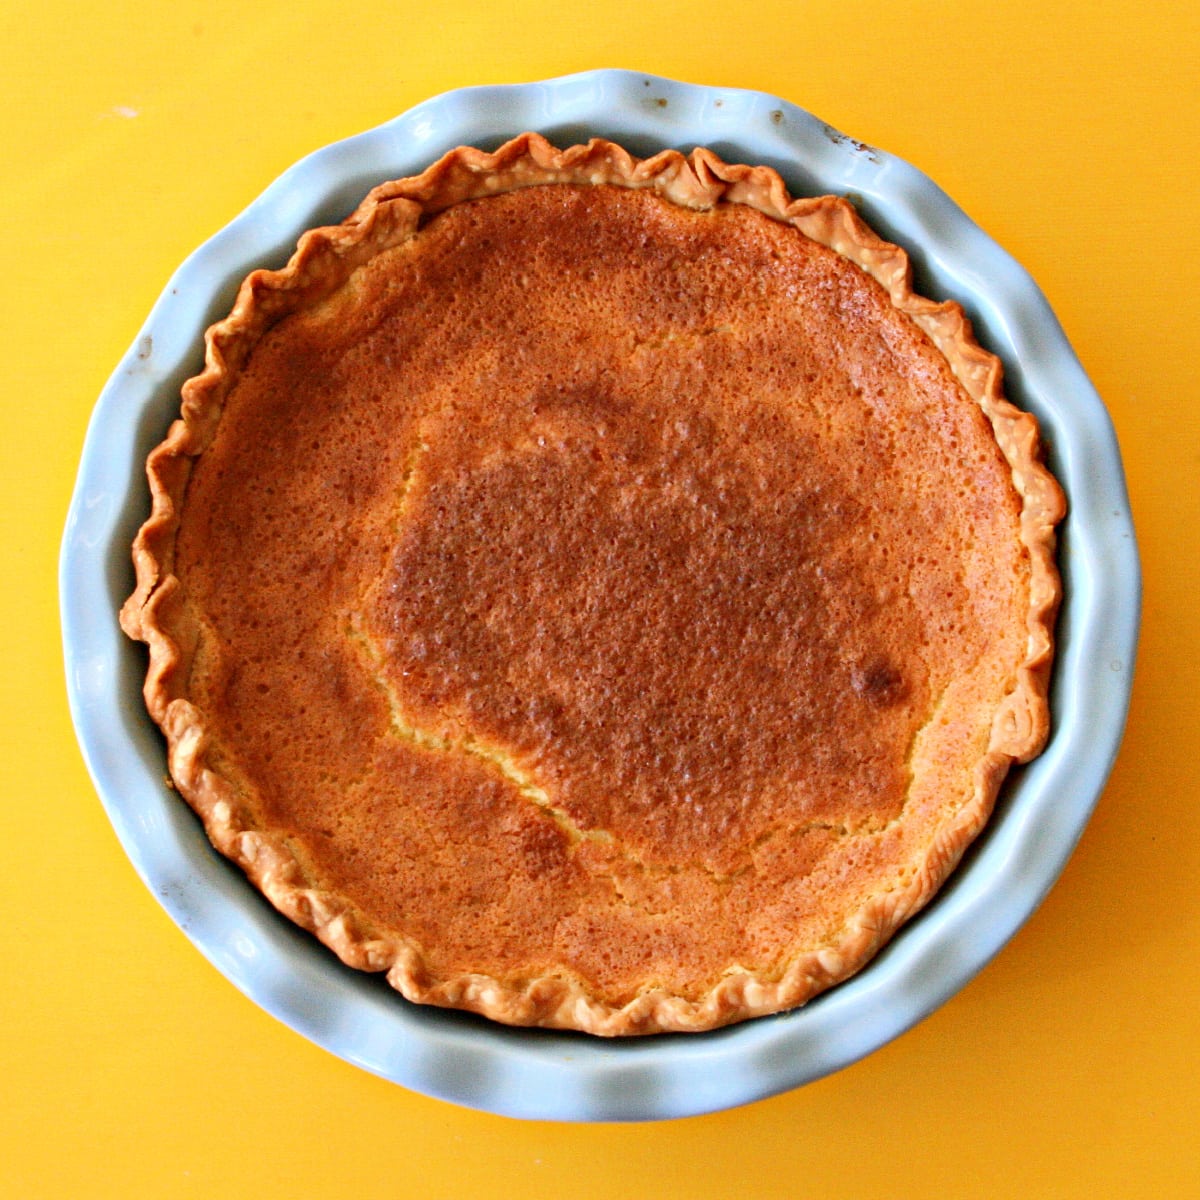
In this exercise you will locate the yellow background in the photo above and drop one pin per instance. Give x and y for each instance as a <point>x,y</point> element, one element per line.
<point>130,132</point>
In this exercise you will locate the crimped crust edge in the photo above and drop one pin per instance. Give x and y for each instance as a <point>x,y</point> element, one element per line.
<point>323,259</point>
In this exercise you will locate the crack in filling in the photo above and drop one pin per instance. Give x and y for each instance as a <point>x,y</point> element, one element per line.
<point>506,767</point>
<point>503,764</point>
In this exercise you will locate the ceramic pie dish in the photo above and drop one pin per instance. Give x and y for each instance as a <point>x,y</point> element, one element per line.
<point>402,1038</point>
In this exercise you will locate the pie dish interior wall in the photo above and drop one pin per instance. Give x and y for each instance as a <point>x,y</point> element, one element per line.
<point>538,1074</point>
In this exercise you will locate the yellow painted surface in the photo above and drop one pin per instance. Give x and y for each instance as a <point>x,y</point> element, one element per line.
<point>130,132</point>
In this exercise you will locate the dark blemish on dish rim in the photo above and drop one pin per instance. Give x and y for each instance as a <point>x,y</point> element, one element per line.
<point>840,139</point>
<point>661,101</point>
<point>145,347</point>
<point>776,116</point>
<point>718,103</point>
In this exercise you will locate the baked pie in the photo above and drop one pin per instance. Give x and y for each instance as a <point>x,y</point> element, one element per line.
<point>597,592</point>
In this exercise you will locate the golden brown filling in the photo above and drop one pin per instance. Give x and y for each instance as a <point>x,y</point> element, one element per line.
<point>582,582</point>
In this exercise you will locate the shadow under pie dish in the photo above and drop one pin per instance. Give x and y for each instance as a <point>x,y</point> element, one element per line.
<point>597,592</point>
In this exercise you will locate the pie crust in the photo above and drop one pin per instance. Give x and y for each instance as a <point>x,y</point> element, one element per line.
<point>597,592</point>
